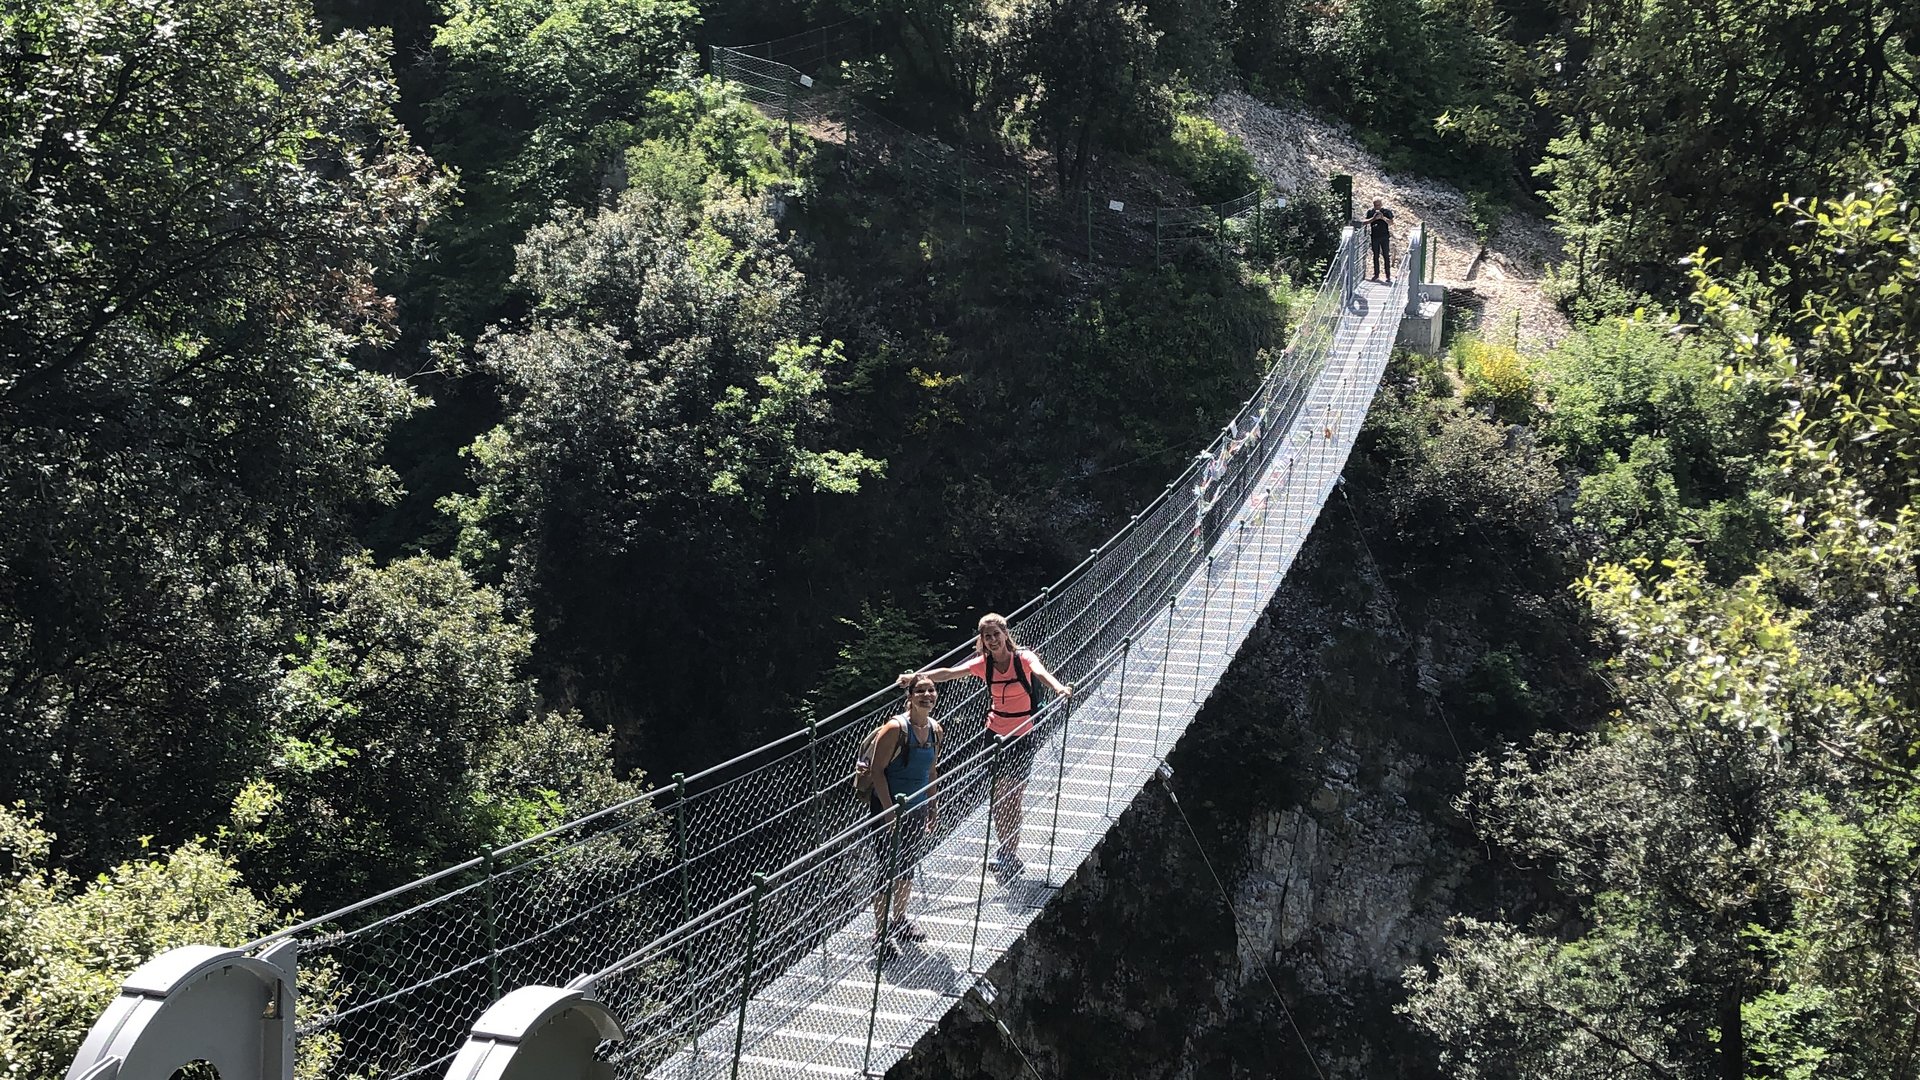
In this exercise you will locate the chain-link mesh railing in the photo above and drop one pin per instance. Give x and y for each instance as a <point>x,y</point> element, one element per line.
<point>794,974</point>
<point>777,78</point>
<point>657,890</point>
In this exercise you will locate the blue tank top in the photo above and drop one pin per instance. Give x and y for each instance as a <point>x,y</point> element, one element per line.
<point>908,773</point>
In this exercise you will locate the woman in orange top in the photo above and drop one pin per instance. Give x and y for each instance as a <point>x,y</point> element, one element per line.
<point>1010,709</point>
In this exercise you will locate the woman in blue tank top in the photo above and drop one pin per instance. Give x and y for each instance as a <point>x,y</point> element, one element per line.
<point>911,748</point>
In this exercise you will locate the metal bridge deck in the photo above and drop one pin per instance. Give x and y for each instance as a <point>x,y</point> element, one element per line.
<point>814,1019</point>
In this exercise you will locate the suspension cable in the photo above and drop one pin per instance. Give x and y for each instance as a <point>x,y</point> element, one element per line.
<point>1166,784</point>
<point>983,997</point>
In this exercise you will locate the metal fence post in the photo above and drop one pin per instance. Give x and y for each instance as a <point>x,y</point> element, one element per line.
<point>1156,236</point>
<point>1089,224</point>
<point>1119,717</point>
<point>492,901</point>
<point>1166,655</point>
<point>680,843</point>
<point>963,195</point>
<point>1206,608</point>
<point>986,841</point>
<point>1239,552</point>
<point>686,885</point>
<point>1026,206</point>
<point>1354,275</point>
<point>1259,244</point>
<point>813,778</point>
<point>1059,784</point>
<point>886,921</point>
<point>1267,508</point>
<point>746,975</point>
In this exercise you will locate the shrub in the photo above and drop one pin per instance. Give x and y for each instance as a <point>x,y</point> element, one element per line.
<point>1632,505</point>
<point>1496,376</point>
<point>1215,164</point>
<point>1300,238</point>
<point>65,945</point>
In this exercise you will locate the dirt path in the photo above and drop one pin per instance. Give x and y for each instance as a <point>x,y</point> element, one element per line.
<point>1296,151</point>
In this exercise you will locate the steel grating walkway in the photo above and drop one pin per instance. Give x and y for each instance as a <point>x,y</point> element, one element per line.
<point>835,1011</point>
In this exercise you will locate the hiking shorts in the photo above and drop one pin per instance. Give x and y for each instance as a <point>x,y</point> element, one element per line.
<point>913,840</point>
<point>1016,757</point>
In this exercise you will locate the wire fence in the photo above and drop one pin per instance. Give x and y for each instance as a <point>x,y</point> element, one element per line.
<point>774,981</point>
<point>658,894</point>
<point>979,196</point>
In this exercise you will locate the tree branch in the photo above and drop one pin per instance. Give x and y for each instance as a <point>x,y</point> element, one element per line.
<point>1868,763</point>
<point>1583,1025</point>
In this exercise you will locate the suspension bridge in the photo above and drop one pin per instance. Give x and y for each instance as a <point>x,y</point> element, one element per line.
<point>723,925</point>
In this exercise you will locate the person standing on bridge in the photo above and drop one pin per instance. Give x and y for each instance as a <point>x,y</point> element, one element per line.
<point>910,746</point>
<point>1009,672</point>
<point>1379,224</point>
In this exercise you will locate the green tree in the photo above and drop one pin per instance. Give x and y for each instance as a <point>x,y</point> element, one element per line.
<point>662,402</point>
<point>1086,71</point>
<point>400,715</point>
<point>538,102</point>
<point>1755,796</point>
<point>1670,456</point>
<point>699,133</point>
<point>1214,163</point>
<point>1445,83</point>
<point>1683,123</point>
<point>197,201</point>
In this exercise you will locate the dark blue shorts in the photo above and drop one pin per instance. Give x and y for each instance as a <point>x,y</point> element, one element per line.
<point>912,835</point>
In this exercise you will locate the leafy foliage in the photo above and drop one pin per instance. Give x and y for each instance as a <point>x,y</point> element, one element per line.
<point>1213,162</point>
<point>1756,791</point>
<point>1445,83</point>
<point>202,196</point>
<point>65,944</point>
<point>1085,70</point>
<point>699,132</point>
<point>397,714</point>
<point>1671,457</point>
<point>1685,121</point>
<point>1463,492</point>
<point>539,102</point>
<point>1497,377</point>
<point>660,405</point>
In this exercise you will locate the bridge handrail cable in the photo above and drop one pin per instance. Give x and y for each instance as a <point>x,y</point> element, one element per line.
<point>687,848</point>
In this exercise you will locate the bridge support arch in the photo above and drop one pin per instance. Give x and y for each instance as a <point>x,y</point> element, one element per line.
<point>197,1003</point>
<point>538,1033</point>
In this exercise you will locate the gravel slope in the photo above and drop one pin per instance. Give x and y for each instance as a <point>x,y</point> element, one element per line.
<point>1296,150</point>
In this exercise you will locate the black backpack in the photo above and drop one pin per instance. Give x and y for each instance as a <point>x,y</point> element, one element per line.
<point>1026,681</point>
<point>863,764</point>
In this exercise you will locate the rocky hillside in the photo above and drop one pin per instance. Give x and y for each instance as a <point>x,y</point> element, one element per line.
<point>1492,261</point>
